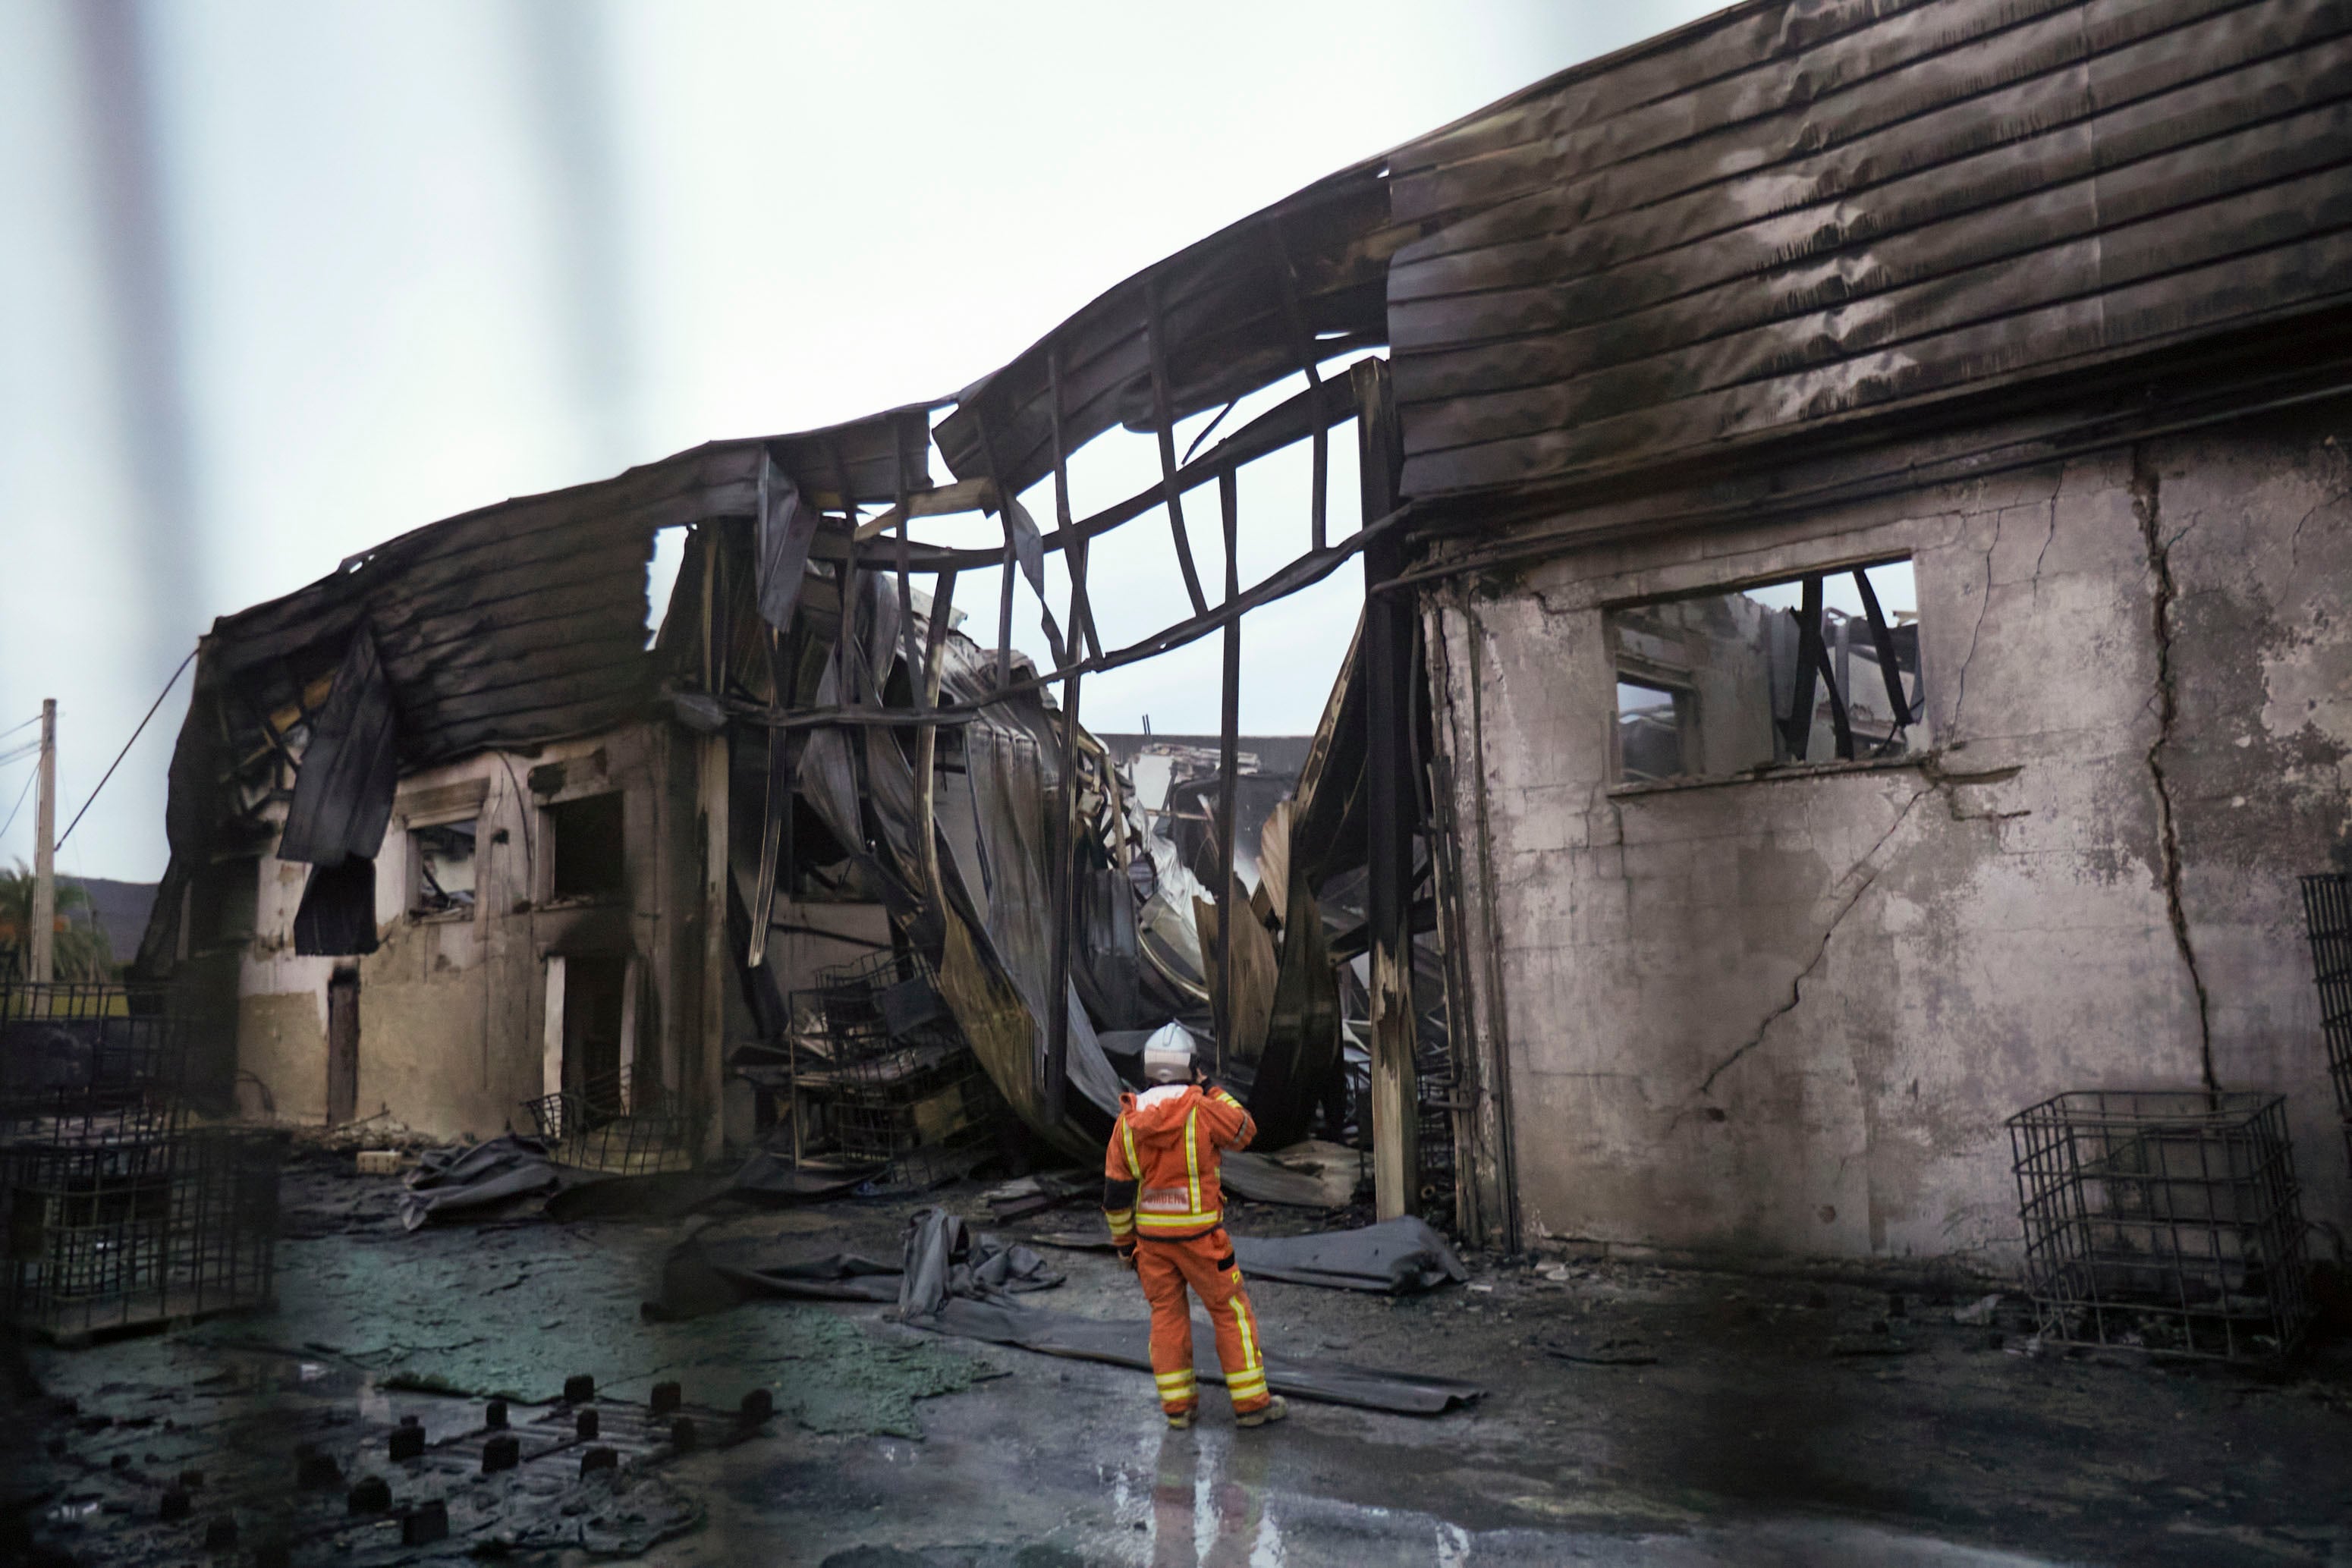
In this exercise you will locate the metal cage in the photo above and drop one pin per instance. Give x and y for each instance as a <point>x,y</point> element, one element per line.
<point>2327,913</point>
<point>2167,1220</point>
<point>615,1125</point>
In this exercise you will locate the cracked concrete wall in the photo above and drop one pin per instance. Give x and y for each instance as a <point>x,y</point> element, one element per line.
<point>1789,1015</point>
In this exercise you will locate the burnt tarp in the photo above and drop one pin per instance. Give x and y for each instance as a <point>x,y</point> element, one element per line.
<point>763,1180</point>
<point>343,789</point>
<point>473,1179</point>
<point>1399,1257</point>
<point>941,1294</point>
<point>703,1275</point>
<point>337,915</point>
<point>1797,213</point>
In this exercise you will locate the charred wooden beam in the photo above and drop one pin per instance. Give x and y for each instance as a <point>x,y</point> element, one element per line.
<point>1390,796</point>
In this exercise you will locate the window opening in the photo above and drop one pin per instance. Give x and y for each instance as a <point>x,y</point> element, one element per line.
<point>661,578</point>
<point>444,867</point>
<point>1650,721</point>
<point>585,843</point>
<point>1823,667</point>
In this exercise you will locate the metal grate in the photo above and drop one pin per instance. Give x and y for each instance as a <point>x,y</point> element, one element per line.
<point>118,1215</point>
<point>2327,911</point>
<point>616,1125</point>
<point>884,1003</point>
<point>2161,1219</point>
<point>949,1102</point>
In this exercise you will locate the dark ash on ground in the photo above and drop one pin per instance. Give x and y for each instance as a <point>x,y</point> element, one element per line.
<point>1634,1413</point>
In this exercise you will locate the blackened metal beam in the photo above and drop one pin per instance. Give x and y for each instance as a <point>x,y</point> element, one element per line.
<point>1229,909</point>
<point>1286,278</point>
<point>1061,844</point>
<point>1164,420</point>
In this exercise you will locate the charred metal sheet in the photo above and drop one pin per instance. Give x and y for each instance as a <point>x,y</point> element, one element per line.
<point>1793,213</point>
<point>342,796</point>
<point>514,624</point>
<point>337,916</point>
<point>1232,307</point>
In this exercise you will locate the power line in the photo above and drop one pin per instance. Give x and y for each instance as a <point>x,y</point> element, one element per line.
<point>126,748</point>
<point>26,725</point>
<point>18,806</point>
<point>19,754</point>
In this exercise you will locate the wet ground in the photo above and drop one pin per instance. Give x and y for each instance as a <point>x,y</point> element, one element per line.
<point>1634,1415</point>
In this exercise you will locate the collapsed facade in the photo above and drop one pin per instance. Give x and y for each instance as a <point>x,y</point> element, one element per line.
<point>1853,520</point>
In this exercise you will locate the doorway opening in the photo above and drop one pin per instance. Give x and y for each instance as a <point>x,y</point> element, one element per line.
<point>342,1047</point>
<point>595,1031</point>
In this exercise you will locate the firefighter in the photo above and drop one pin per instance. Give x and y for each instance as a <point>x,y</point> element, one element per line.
<point>1166,1211</point>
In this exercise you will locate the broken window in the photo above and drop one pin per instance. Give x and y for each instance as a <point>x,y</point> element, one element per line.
<point>585,843</point>
<point>443,856</point>
<point>1651,720</point>
<point>1819,668</point>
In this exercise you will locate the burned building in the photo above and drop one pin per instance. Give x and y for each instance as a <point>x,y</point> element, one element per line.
<point>446,824</point>
<point>1852,522</point>
<point>1884,487</point>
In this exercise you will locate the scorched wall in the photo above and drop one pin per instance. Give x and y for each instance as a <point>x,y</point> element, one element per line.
<point>1788,1014</point>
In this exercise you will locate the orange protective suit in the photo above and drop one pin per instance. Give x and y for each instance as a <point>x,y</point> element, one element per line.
<point>1163,1198</point>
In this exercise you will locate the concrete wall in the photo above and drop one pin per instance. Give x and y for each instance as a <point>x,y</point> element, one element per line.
<point>453,1005</point>
<point>1789,1015</point>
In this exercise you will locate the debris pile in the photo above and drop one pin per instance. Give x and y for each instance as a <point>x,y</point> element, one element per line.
<point>879,1077</point>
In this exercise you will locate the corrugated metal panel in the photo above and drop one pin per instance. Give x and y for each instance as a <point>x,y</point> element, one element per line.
<point>517,623</point>
<point>1797,213</point>
<point>1226,329</point>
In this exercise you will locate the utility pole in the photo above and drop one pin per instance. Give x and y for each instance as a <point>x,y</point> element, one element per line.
<point>44,854</point>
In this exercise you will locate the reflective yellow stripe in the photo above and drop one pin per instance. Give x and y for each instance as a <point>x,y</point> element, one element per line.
<point>1134,1166</point>
<point>1173,1379</point>
<point>1184,1224</point>
<point>1249,1338</point>
<point>1192,1156</point>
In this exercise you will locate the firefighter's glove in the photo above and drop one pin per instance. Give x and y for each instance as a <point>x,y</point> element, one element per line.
<point>1126,1256</point>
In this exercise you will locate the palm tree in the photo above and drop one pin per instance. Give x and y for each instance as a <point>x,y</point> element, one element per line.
<point>81,948</point>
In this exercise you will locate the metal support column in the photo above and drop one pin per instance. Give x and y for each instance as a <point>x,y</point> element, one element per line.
<point>1389,800</point>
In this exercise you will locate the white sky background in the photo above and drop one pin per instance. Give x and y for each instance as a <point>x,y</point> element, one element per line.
<point>411,259</point>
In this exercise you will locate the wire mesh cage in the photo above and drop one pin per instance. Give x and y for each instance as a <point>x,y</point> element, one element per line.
<point>80,1059</point>
<point>123,1233</point>
<point>883,1004</point>
<point>2167,1220</point>
<point>943,1104</point>
<point>2327,913</point>
<point>118,1213</point>
<point>616,1125</point>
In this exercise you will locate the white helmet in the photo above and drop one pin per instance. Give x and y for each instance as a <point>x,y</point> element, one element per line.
<point>1168,1055</point>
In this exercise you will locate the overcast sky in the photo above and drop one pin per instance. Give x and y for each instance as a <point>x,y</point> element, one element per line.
<point>279,280</point>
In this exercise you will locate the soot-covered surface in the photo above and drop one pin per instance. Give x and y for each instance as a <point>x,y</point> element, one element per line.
<point>1633,1414</point>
